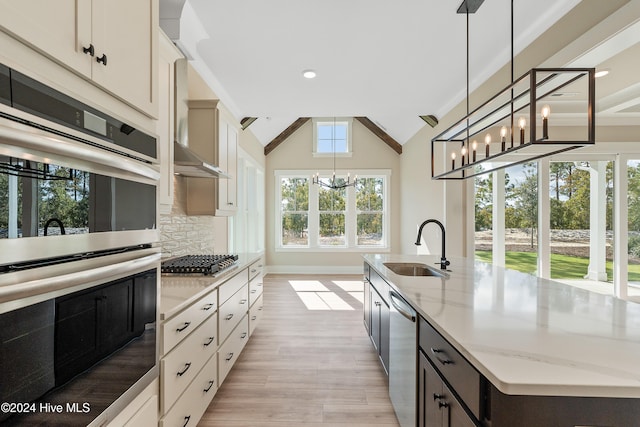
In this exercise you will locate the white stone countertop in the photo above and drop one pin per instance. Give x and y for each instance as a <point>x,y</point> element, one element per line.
<point>527,335</point>
<point>178,292</point>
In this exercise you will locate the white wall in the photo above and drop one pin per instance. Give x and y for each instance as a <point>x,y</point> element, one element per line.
<point>369,152</point>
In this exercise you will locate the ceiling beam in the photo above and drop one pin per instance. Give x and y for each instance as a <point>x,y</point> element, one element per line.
<point>377,131</point>
<point>285,134</point>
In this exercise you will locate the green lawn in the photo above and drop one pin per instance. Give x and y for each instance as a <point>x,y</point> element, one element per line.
<point>562,266</point>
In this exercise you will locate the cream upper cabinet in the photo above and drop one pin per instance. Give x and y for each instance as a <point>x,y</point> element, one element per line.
<point>228,161</point>
<point>213,135</point>
<point>110,42</point>
<point>168,54</point>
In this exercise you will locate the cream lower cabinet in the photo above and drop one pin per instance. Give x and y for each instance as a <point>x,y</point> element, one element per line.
<point>256,287</point>
<point>234,321</point>
<point>142,412</point>
<point>200,345</point>
<point>188,366</point>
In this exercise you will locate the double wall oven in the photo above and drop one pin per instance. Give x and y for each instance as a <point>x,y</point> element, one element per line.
<point>79,260</point>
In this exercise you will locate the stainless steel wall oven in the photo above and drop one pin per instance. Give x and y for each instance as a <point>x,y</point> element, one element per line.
<point>79,260</point>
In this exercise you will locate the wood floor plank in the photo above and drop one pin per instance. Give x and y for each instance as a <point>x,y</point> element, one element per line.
<point>306,367</point>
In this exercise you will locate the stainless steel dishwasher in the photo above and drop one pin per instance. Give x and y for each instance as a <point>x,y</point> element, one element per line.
<point>402,359</point>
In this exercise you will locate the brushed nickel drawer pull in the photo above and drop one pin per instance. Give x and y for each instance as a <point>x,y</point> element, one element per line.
<point>243,301</point>
<point>185,326</point>
<point>206,390</point>
<point>207,307</point>
<point>435,352</point>
<point>253,291</point>
<point>229,316</point>
<point>210,341</point>
<point>229,357</point>
<point>186,368</point>
<point>243,336</point>
<point>254,317</point>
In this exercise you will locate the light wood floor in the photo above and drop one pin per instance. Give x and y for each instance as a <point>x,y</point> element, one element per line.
<point>305,368</point>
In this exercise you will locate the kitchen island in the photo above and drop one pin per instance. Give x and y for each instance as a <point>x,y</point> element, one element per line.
<point>539,346</point>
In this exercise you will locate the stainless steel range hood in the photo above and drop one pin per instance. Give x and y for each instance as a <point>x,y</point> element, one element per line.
<point>185,161</point>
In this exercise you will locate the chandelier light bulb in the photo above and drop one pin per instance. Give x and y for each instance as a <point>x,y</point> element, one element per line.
<point>522,123</point>
<point>503,136</point>
<point>546,111</point>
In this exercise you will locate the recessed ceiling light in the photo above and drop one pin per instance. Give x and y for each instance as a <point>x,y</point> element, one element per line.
<point>309,74</point>
<point>602,73</point>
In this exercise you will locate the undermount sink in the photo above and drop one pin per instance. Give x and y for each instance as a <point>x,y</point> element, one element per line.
<point>412,269</point>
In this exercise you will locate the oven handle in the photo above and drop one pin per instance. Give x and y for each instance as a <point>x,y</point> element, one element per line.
<point>32,139</point>
<point>70,278</point>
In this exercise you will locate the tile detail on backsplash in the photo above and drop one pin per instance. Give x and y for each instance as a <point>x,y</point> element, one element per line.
<point>181,234</point>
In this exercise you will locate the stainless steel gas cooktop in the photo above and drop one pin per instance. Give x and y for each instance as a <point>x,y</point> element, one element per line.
<point>198,264</point>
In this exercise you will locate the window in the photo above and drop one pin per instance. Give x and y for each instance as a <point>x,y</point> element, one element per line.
<point>294,202</point>
<point>370,211</point>
<point>315,218</point>
<point>332,135</point>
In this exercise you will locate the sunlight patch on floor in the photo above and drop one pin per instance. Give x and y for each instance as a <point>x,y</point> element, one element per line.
<point>358,295</point>
<point>350,285</point>
<point>307,286</point>
<point>317,296</point>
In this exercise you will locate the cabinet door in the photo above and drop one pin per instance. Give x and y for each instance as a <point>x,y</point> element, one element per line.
<point>165,124</point>
<point>126,34</point>
<point>227,158</point>
<point>367,305</point>
<point>116,311</point>
<point>430,413</point>
<point>437,405</point>
<point>59,29</point>
<point>375,302</point>
<point>384,334</point>
<point>76,333</point>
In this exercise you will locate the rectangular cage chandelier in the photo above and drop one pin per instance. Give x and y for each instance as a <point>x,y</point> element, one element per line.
<point>545,112</point>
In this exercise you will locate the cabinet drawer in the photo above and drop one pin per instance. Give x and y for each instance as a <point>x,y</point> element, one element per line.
<point>232,311</point>
<point>453,367</point>
<point>256,268</point>
<point>181,365</point>
<point>230,350</point>
<point>182,324</point>
<point>255,289</point>
<point>189,408</point>
<point>231,286</point>
<point>255,314</point>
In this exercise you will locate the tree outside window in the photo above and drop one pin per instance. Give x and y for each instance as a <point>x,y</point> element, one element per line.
<point>332,206</point>
<point>295,211</point>
<point>370,211</point>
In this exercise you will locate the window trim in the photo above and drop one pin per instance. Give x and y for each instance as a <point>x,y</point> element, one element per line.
<point>318,120</point>
<point>351,212</point>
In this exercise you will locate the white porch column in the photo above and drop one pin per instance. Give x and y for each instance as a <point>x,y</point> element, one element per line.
<point>598,221</point>
<point>544,226</point>
<point>498,241</point>
<point>620,227</point>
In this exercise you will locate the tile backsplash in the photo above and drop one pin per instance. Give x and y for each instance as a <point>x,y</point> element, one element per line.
<point>182,234</point>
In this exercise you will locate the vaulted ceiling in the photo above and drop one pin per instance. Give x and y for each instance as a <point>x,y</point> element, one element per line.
<point>388,61</point>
